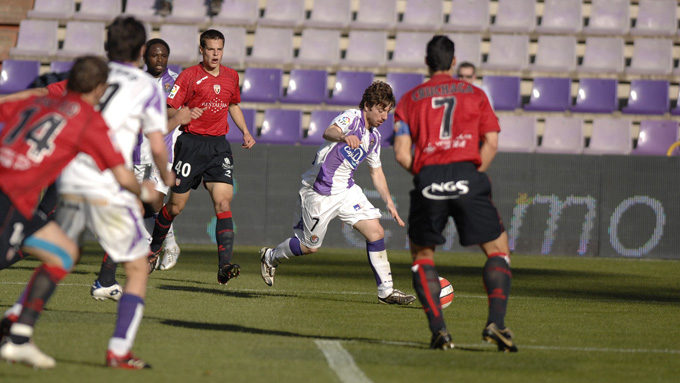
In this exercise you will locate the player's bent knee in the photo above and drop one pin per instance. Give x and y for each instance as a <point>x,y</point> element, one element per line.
<point>65,257</point>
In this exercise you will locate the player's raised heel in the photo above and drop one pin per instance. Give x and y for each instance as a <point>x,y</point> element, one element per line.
<point>441,341</point>
<point>227,273</point>
<point>501,338</point>
<point>266,270</point>
<point>154,258</point>
<point>27,353</point>
<point>398,297</point>
<point>100,293</point>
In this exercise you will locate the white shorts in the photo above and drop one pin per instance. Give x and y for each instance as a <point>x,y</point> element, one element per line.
<point>116,221</point>
<point>315,211</point>
<point>151,172</point>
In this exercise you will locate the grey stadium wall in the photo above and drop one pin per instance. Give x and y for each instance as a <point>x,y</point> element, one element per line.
<point>577,205</point>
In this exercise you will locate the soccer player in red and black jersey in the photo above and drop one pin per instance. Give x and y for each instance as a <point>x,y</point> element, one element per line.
<point>202,154</point>
<point>41,135</point>
<point>447,120</point>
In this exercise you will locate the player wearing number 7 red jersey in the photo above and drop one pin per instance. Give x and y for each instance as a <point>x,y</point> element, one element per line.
<point>447,120</point>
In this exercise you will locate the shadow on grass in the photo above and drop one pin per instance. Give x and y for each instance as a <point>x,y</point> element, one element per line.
<point>230,293</point>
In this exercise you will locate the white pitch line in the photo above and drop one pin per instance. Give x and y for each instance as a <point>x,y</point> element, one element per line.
<point>340,361</point>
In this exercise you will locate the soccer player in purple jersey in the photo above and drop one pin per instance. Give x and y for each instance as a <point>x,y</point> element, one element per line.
<point>328,191</point>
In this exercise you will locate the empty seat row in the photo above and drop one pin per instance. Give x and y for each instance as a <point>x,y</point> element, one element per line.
<point>284,127</point>
<point>553,94</point>
<point>655,17</point>
<point>319,47</point>
<point>566,135</point>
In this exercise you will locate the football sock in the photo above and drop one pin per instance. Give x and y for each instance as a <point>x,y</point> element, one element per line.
<point>426,284</point>
<point>377,258</point>
<point>130,313</point>
<point>170,237</point>
<point>107,272</point>
<point>497,277</point>
<point>286,249</point>
<point>38,291</point>
<point>224,233</point>
<point>150,222</point>
<point>160,229</point>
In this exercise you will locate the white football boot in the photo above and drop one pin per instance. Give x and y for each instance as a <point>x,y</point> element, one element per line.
<point>100,293</point>
<point>169,258</point>
<point>27,353</point>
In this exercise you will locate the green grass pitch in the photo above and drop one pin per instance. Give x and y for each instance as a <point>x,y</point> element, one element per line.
<point>575,320</point>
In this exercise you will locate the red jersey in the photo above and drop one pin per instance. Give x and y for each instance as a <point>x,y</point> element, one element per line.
<point>447,119</point>
<point>41,135</point>
<point>195,87</point>
<point>57,88</point>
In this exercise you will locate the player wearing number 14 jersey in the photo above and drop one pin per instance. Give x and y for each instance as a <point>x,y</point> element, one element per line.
<point>455,133</point>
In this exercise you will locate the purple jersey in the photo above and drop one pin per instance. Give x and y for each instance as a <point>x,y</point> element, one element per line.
<point>333,168</point>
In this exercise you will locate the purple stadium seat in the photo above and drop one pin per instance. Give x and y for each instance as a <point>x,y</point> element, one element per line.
<point>403,82</point>
<point>306,86</point>
<point>656,137</point>
<point>366,49</point>
<point>234,135</point>
<point>237,12</point>
<point>409,49</point>
<point>561,16</point>
<point>330,14</point>
<point>596,96</point>
<point>610,136</point>
<point>349,87</point>
<point>52,9</point>
<point>651,56</point>
<point>422,15</point>
<point>504,91</point>
<point>676,111</point>
<point>262,85</point>
<point>319,47</point>
<point>281,126</point>
<point>83,37</point>
<point>99,10</point>
<point>386,130</point>
<point>468,15</point>
<point>234,53</point>
<point>368,18</point>
<point>188,12</point>
<point>37,38</point>
<point>518,133</point>
<point>318,122</point>
<point>562,135</point>
<point>610,17</point>
<point>17,75</point>
<point>144,10</point>
<point>508,52</point>
<point>283,13</point>
<point>656,18</point>
<point>183,41</point>
<point>555,53</point>
<point>272,46</point>
<point>515,16</point>
<point>648,97</point>
<point>603,55</point>
<point>550,94</point>
<point>61,66</point>
<point>468,47</point>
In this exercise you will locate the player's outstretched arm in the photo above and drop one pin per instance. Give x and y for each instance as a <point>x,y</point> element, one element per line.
<point>402,151</point>
<point>237,115</point>
<point>380,183</point>
<point>128,181</point>
<point>24,94</point>
<point>160,157</point>
<point>488,150</point>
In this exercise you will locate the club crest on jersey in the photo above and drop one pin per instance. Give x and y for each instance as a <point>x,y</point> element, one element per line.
<point>314,239</point>
<point>216,88</point>
<point>177,181</point>
<point>174,90</point>
<point>166,87</point>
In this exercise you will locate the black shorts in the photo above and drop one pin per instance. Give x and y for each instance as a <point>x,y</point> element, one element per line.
<point>15,228</point>
<point>455,190</point>
<point>201,158</point>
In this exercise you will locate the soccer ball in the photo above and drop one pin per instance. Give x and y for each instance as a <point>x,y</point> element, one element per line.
<point>446,295</point>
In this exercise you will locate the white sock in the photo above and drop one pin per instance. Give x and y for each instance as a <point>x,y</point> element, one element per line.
<point>14,310</point>
<point>382,272</point>
<point>281,253</point>
<point>149,223</point>
<point>170,237</point>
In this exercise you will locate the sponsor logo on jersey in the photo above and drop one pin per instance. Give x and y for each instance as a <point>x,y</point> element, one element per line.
<point>201,80</point>
<point>174,90</point>
<point>344,121</point>
<point>216,88</point>
<point>446,190</point>
<point>354,157</point>
<point>357,207</point>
